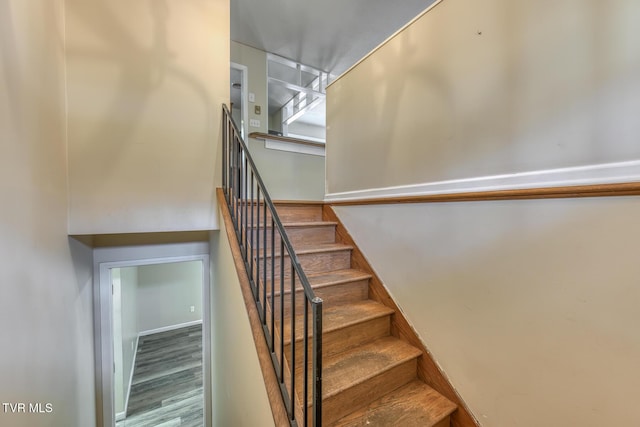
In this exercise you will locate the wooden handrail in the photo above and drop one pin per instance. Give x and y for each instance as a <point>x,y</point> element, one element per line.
<point>594,190</point>
<point>260,135</point>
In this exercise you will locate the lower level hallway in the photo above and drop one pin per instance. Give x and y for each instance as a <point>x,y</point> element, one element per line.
<point>166,390</point>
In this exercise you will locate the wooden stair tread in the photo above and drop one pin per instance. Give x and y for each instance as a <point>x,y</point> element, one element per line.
<point>286,202</point>
<point>344,370</point>
<point>413,405</point>
<point>315,249</point>
<point>298,224</point>
<point>339,316</point>
<point>325,279</point>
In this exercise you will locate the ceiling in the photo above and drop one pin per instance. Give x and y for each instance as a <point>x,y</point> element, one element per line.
<point>330,35</point>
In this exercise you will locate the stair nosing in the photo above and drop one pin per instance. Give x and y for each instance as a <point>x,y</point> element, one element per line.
<point>298,224</point>
<point>361,276</point>
<point>317,249</point>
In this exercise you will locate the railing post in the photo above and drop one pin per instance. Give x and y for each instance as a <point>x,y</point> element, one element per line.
<point>293,338</point>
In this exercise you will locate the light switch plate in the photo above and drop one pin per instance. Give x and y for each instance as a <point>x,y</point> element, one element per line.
<point>254,123</point>
<point>252,97</point>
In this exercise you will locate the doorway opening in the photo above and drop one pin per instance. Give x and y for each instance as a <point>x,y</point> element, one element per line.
<point>155,342</point>
<point>239,97</point>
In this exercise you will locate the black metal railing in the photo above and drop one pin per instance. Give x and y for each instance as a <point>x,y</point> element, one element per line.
<point>274,272</point>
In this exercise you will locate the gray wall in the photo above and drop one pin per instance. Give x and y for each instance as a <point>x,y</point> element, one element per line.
<point>530,307</point>
<point>166,292</point>
<point>46,302</point>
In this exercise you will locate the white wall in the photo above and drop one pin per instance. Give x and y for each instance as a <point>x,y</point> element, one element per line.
<point>287,176</point>
<point>46,302</point>
<point>165,293</point>
<point>145,84</point>
<point>237,377</point>
<point>306,129</point>
<point>529,306</point>
<point>475,89</point>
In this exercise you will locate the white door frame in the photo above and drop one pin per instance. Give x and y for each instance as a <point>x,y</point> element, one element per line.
<point>244,94</point>
<point>103,317</point>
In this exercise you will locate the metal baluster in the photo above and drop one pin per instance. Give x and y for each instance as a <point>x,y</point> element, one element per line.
<point>246,209</point>
<point>293,337</point>
<point>305,360</point>
<point>317,362</point>
<point>253,248</point>
<point>273,285</point>
<point>236,144</point>
<point>264,270</point>
<point>281,309</point>
<point>225,129</point>
<point>257,278</point>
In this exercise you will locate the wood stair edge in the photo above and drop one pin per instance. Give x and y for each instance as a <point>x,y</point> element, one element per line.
<point>316,249</point>
<point>327,284</point>
<point>301,224</point>
<point>382,311</point>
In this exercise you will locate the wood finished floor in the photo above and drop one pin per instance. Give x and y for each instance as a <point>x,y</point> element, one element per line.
<point>166,389</point>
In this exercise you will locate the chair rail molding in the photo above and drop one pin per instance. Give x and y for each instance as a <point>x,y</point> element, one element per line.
<point>607,174</point>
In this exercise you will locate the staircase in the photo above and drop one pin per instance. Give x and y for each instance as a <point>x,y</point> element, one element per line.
<point>369,376</point>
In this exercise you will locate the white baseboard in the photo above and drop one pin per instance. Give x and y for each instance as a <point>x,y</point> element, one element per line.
<point>607,173</point>
<point>169,328</point>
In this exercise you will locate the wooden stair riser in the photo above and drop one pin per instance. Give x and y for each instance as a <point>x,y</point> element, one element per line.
<point>298,236</point>
<point>288,213</point>
<point>334,294</point>
<point>340,340</point>
<point>343,293</point>
<point>358,396</point>
<point>311,263</point>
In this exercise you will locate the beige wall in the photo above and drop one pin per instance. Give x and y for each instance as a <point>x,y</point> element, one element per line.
<point>475,89</point>
<point>288,176</point>
<point>145,85</point>
<point>239,395</point>
<point>530,307</point>
<point>46,302</point>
